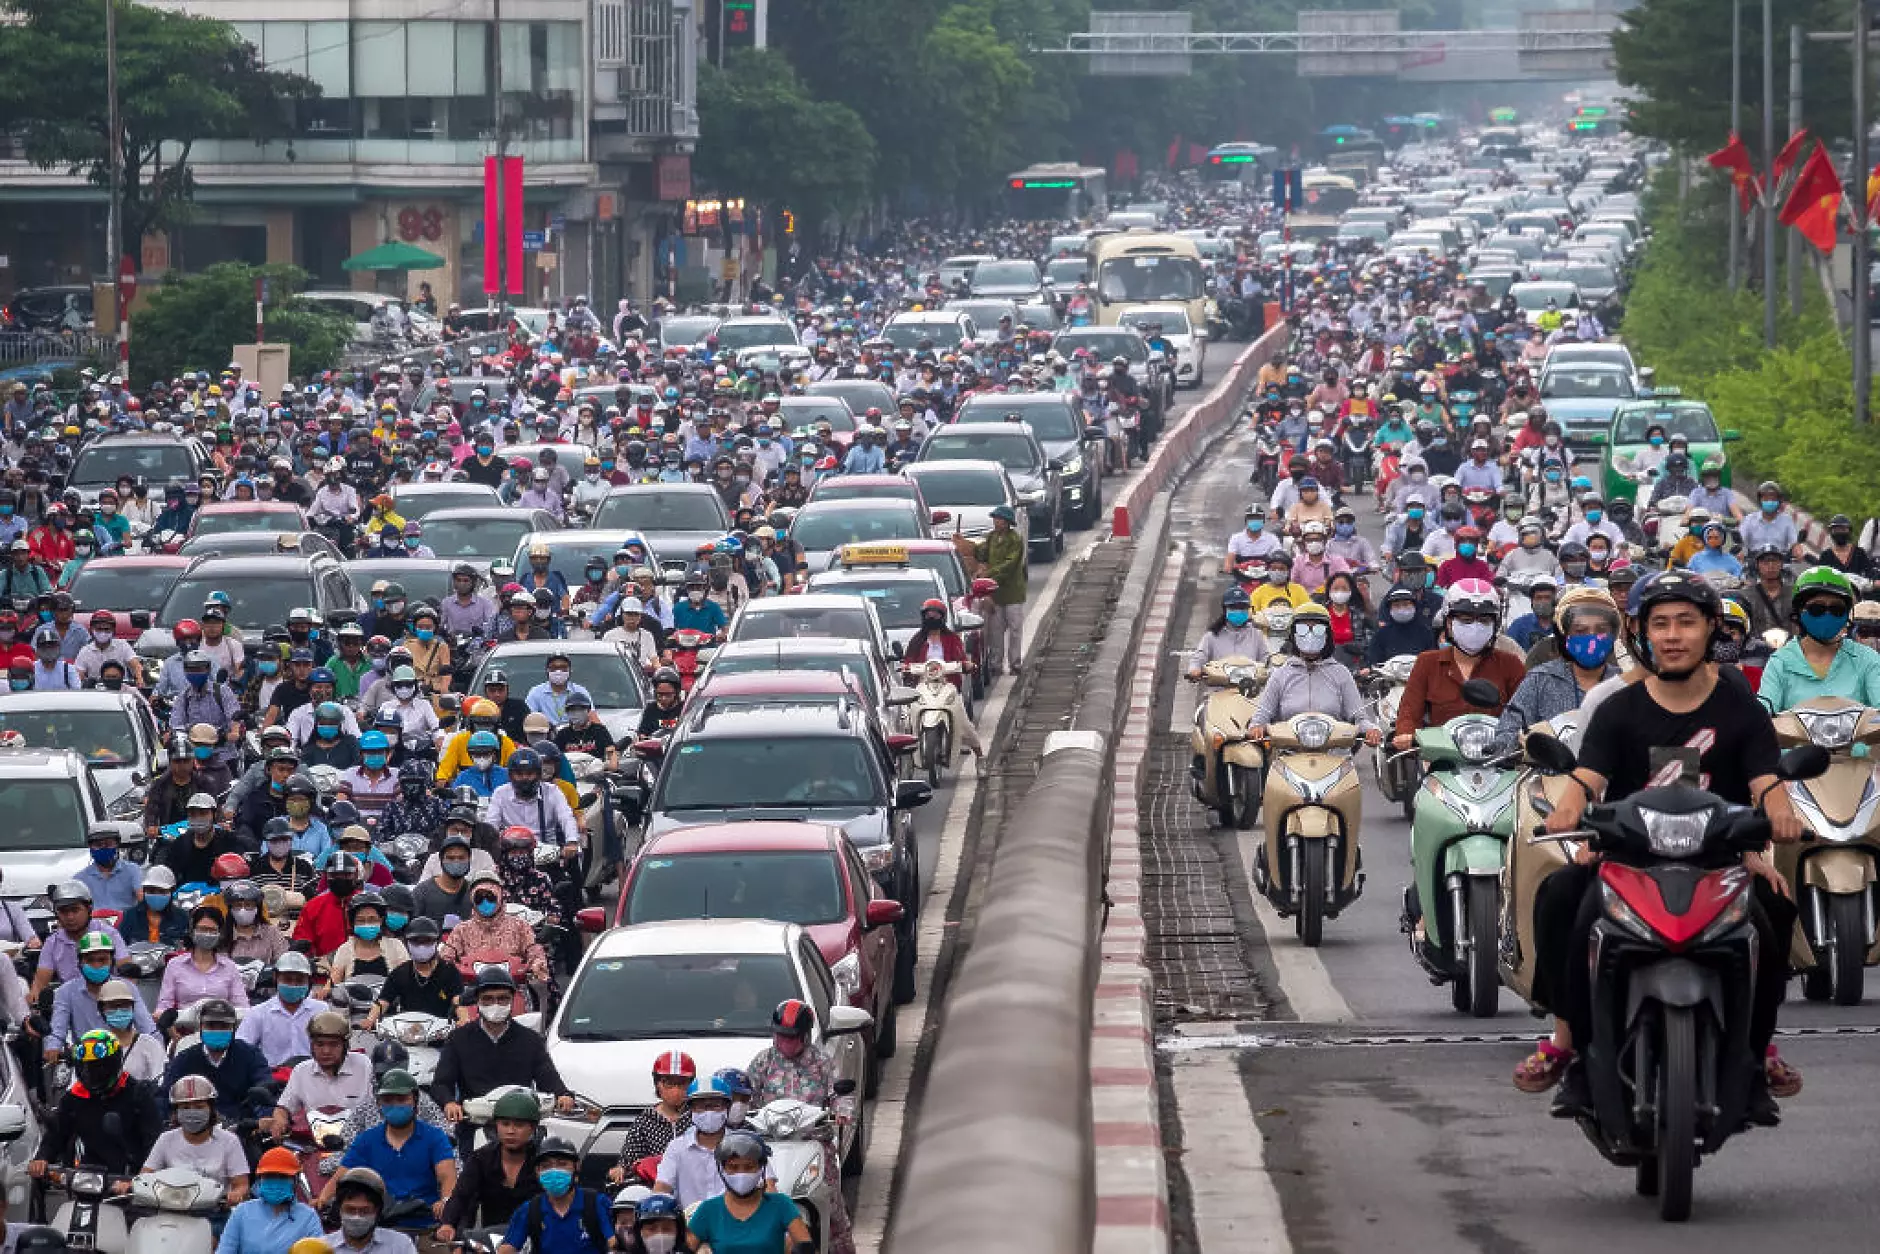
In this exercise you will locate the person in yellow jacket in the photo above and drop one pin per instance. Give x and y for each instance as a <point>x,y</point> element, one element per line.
<point>1691,543</point>
<point>1279,587</point>
<point>383,516</point>
<point>479,714</point>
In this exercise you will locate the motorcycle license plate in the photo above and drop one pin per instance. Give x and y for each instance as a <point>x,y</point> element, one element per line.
<point>844,1108</point>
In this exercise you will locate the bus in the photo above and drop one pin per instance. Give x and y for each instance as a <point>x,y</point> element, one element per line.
<point>1062,191</point>
<point>1345,138</point>
<point>1239,162</point>
<point>1327,194</point>
<point>1140,267</point>
<point>1596,121</point>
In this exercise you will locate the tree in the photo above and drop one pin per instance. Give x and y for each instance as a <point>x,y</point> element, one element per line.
<point>180,79</point>
<point>762,137</point>
<point>193,322</point>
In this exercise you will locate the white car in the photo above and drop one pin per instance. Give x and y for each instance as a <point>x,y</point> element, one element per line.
<point>706,987</point>
<point>1189,341</point>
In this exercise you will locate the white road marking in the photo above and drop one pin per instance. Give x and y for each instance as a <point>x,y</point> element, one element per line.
<point>1302,975</point>
<point>1236,1207</point>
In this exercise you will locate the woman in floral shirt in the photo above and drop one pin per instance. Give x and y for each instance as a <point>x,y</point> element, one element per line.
<point>795,1067</point>
<point>489,930</point>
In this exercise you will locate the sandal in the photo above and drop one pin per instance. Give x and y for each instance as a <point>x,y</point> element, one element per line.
<point>1541,1070</point>
<point>1784,1080</point>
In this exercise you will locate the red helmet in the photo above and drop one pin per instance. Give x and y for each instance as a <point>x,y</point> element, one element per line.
<point>1468,531</point>
<point>933,603</point>
<point>229,866</point>
<point>793,1018</point>
<point>675,1063</point>
<point>188,627</point>
<point>517,839</point>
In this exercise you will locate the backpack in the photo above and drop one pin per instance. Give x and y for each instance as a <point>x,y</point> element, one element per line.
<point>589,1204</point>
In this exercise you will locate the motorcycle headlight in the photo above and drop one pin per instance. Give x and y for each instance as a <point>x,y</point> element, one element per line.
<point>87,1182</point>
<point>175,1196</point>
<point>1475,741</point>
<point>811,1176</point>
<point>1675,835</point>
<point>848,975</point>
<point>1313,732</point>
<point>1831,729</point>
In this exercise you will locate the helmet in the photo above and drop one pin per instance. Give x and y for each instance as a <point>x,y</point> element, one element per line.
<point>345,865</point>
<point>525,760</point>
<point>735,1080</point>
<point>702,1087</point>
<point>517,1104</point>
<point>228,866</point>
<point>1472,596</point>
<point>557,1147</point>
<point>329,1023</point>
<point>793,1018</point>
<point>675,1063</point>
<point>517,839</point>
<point>1235,598</point>
<point>363,1180</point>
<point>1670,586</point>
<point>1734,615</point>
<point>69,893</point>
<point>631,1198</point>
<point>192,1088</point>
<point>668,675</point>
<point>1817,580</point>
<point>300,784</point>
<point>99,1060</point>
<point>1583,600</point>
<point>739,1143</point>
<point>279,1161</point>
<point>364,899</point>
<point>388,1056</point>
<point>660,1206</point>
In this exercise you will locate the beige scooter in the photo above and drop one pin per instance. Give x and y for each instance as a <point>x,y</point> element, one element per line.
<point>1530,861</point>
<point>1226,766</point>
<point>1832,870</point>
<point>1309,864</point>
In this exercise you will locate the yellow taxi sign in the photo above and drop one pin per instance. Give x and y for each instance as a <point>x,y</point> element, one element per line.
<point>874,553</point>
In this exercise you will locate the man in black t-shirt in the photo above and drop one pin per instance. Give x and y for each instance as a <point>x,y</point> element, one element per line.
<point>1686,703</point>
<point>583,733</point>
<point>425,983</point>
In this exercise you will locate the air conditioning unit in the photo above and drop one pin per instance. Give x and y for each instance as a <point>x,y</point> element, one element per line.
<point>633,80</point>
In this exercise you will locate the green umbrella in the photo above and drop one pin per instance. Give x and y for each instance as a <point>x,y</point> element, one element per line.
<point>394,255</point>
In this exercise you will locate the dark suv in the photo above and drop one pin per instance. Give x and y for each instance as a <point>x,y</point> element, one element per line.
<point>1035,475</point>
<point>827,762</point>
<point>1061,432</point>
<point>261,589</point>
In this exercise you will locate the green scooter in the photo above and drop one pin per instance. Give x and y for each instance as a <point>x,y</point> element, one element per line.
<point>1459,837</point>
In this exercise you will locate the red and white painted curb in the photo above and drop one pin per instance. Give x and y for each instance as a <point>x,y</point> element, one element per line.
<point>1132,1176</point>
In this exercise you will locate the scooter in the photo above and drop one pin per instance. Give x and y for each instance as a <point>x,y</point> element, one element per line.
<point>794,1132</point>
<point>1458,843</point>
<point>1309,865</point>
<point>92,1216</point>
<point>1674,959</point>
<point>1528,862</point>
<point>173,1208</point>
<point>1832,871</point>
<point>686,643</point>
<point>935,701</point>
<point>1226,766</point>
<point>422,1035</point>
<point>1399,774</point>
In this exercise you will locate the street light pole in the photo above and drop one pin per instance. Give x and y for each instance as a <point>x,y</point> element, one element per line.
<point>1736,124</point>
<point>1862,329</point>
<point>1795,128</point>
<point>114,213</point>
<point>1768,154</point>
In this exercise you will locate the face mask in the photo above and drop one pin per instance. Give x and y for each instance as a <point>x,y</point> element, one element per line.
<point>558,678</point>
<point>1590,651</point>
<point>1277,577</point>
<point>358,1227</point>
<point>397,1115</point>
<point>1402,613</point>
<point>218,1038</point>
<point>425,634</point>
<point>1553,476</point>
<point>205,940</point>
<point>1471,638</point>
<point>1310,639</point>
<point>160,902</point>
<point>266,668</point>
<point>120,1020</point>
<point>458,867</point>
<point>1727,650</point>
<point>1823,627</point>
<point>738,1112</point>
<point>486,906</point>
<point>1345,531</point>
<point>696,596</point>
<point>405,691</point>
<point>300,807</point>
<point>494,1012</point>
<point>1429,579</point>
<point>280,848</point>
<point>1770,507</point>
<point>1238,618</point>
<point>105,857</point>
<point>744,1183</point>
<point>710,1121</point>
<point>1466,549</point>
<point>1543,610</point>
<point>374,761</point>
<point>96,975</point>
<point>1414,513</point>
<point>1341,596</point>
<point>274,1190</point>
<point>201,680</point>
<point>1254,526</point>
<point>1315,547</point>
<point>422,953</point>
<point>1657,440</point>
<point>367,931</point>
<point>1594,515</point>
<point>556,1181</point>
<point>103,638</point>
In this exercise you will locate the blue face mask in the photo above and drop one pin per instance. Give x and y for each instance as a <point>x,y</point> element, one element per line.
<point>118,1020</point>
<point>203,752</point>
<point>397,921</point>
<point>425,634</point>
<point>1590,651</point>
<point>1414,513</point>
<point>326,731</point>
<point>1344,531</point>
<point>218,1038</point>
<point>96,975</point>
<point>1823,627</point>
<point>374,761</point>
<point>291,994</point>
<point>1657,440</point>
<point>1254,526</point>
<point>157,901</point>
<point>19,685</point>
<point>1466,549</point>
<point>397,1116</point>
<point>1429,579</point>
<point>197,679</point>
<point>1553,476</point>
<point>367,931</point>
<point>105,857</point>
<point>1594,515</point>
<point>1238,618</point>
<point>266,668</point>
<point>1770,507</point>
<point>487,908</point>
<point>275,1190</point>
<point>556,1181</point>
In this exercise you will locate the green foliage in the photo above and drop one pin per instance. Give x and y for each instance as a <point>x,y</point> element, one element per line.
<point>180,79</point>
<point>761,136</point>
<point>193,322</point>
<point>1794,405</point>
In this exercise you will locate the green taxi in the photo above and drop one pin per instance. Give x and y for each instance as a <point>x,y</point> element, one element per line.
<point>1625,438</point>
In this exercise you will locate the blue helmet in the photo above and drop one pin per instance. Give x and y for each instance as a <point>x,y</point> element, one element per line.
<point>736,1081</point>
<point>525,760</point>
<point>659,1206</point>
<point>375,741</point>
<point>484,740</point>
<point>712,1086</point>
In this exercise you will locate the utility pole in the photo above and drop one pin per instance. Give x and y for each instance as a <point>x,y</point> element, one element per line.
<point>502,137</point>
<point>1862,330</point>
<point>1768,154</point>
<point>1795,128</point>
<point>1736,126</point>
<point>114,213</point>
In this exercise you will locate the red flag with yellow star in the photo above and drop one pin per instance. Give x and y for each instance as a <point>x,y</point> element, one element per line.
<point>1814,202</point>
<point>1733,157</point>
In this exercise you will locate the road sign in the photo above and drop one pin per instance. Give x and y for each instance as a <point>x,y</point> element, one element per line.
<point>557,223</point>
<point>1283,180</point>
<point>534,241</point>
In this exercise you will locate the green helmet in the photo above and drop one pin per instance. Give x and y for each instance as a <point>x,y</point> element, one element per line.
<point>96,943</point>
<point>1817,580</point>
<point>518,1105</point>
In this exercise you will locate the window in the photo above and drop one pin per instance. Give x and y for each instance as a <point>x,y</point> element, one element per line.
<point>379,59</point>
<point>430,59</point>
<point>791,887</point>
<point>727,773</point>
<point>678,995</point>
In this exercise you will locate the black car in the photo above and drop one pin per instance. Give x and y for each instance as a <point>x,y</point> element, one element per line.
<point>1066,441</point>
<point>46,309</point>
<point>675,518</point>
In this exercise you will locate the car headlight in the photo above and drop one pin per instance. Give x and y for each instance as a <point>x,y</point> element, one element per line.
<point>1033,497</point>
<point>878,858</point>
<point>1675,835</point>
<point>848,975</point>
<point>1075,465</point>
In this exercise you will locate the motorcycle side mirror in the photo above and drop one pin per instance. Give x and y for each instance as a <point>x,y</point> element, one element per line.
<point>261,1097</point>
<point>1802,762</point>
<point>1094,433</point>
<point>591,919</point>
<point>900,695</point>
<point>650,747</point>
<point>1481,694</point>
<point>985,587</point>
<point>1549,753</point>
<point>942,516</point>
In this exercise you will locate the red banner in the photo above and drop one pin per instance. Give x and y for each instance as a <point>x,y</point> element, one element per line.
<point>492,216</point>
<point>512,225</point>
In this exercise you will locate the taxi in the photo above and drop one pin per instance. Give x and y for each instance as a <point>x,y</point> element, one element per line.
<point>1625,439</point>
<point>962,590</point>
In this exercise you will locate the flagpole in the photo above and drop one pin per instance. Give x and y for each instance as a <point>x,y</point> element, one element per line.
<point>1736,124</point>
<point>1795,128</point>
<point>1862,329</point>
<point>1769,192</point>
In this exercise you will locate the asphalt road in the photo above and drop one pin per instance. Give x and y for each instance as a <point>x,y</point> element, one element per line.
<point>1360,1113</point>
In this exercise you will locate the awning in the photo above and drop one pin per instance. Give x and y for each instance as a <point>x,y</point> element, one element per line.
<point>394,255</point>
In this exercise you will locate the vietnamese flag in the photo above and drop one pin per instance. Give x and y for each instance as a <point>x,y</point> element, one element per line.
<point>1734,158</point>
<point>1873,193</point>
<point>1814,202</point>
<point>1786,159</point>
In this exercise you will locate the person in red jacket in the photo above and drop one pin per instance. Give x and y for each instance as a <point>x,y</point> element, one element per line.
<point>14,644</point>
<point>323,921</point>
<point>51,541</point>
<point>936,641</point>
<point>1468,562</point>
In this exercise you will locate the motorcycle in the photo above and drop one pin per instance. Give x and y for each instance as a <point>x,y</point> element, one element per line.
<point>794,1132</point>
<point>1483,507</point>
<point>1674,957</point>
<point>1309,864</point>
<point>1529,862</point>
<point>1832,870</point>
<point>321,1144</point>
<point>1458,838</point>
<point>407,854</point>
<point>1397,775</point>
<point>685,643</point>
<point>1227,767</point>
<point>422,1035</point>
<point>174,1208</point>
<point>933,713</point>
<point>92,1216</point>
<point>1269,454</point>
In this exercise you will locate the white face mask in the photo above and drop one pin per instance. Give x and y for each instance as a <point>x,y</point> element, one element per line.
<point>1402,613</point>
<point>659,1242</point>
<point>1341,596</point>
<point>103,638</point>
<point>494,1012</point>
<point>1471,638</point>
<point>710,1121</point>
<point>245,916</point>
<point>1315,547</point>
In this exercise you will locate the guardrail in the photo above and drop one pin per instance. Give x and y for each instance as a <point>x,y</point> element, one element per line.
<point>1006,1116</point>
<point>25,348</point>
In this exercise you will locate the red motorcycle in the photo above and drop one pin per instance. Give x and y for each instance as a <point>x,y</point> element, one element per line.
<point>686,643</point>
<point>1482,506</point>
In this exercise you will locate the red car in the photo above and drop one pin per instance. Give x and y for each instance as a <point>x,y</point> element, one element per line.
<point>803,873</point>
<point>130,587</point>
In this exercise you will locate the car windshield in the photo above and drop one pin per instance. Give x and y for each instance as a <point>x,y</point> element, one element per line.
<point>985,313</point>
<point>255,601</point>
<point>485,538</point>
<point>792,623</point>
<point>41,814</point>
<point>222,522</point>
<point>419,504</point>
<point>1005,274</point>
<point>1693,422</point>
<point>1532,297</point>
<point>817,530</point>
<point>1048,420</point>
<point>1588,382</point>
<point>843,488</point>
<point>685,331</point>
<point>799,414</point>
<point>608,678</point>
<point>897,602</point>
<point>940,488</point>
<point>95,735</point>
<point>1063,271</point>
<point>1010,450</point>
<point>769,662</point>
<point>755,335</point>
<point>1150,278</point>
<point>1172,321</point>
<point>676,995</point>
<point>420,582</point>
<point>663,511</point>
<point>942,333</point>
<point>122,587</point>
<point>1589,276</point>
<point>859,395</point>
<point>104,464</point>
<point>738,771</point>
<point>788,887</point>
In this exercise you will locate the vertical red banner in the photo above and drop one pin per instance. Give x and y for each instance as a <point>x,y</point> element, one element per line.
<point>492,215</point>
<point>512,225</point>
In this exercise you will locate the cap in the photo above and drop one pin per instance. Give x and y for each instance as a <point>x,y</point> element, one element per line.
<point>397,1083</point>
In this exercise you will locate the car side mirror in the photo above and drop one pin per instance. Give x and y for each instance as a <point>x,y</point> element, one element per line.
<point>140,619</point>
<point>1094,433</point>
<point>848,1020</point>
<point>969,621</point>
<point>942,516</point>
<point>911,794</point>
<point>843,1088</point>
<point>883,914</point>
<point>591,919</point>
<point>894,649</point>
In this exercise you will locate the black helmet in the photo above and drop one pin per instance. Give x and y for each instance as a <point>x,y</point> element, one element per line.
<point>557,1147</point>
<point>793,1018</point>
<point>302,784</point>
<point>389,1056</point>
<point>668,675</point>
<point>423,928</point>
<point>399,899</point>
<point>524,759</point>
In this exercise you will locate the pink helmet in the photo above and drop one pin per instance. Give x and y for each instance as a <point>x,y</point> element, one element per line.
<point>1472,596</point>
